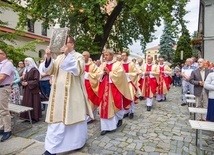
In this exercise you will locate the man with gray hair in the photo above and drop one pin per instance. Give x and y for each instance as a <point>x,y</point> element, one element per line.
<point>114,93</point>
<point>186,85</point>
<point>197,78</point>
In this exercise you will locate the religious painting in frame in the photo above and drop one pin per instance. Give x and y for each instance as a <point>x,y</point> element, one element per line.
<point>58,39</point>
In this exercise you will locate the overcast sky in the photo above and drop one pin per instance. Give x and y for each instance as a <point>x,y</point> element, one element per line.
<point>192,17</point>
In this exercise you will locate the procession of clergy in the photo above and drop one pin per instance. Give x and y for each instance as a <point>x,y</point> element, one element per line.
<point>81,89</point>
<point>117,85</point>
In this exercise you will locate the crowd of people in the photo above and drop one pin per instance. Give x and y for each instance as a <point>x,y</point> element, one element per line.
<point>197,78</point>
<point>25,80</point>
<point>78,89</point>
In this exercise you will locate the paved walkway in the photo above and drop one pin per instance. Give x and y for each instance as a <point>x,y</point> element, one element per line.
<point>165,130</point>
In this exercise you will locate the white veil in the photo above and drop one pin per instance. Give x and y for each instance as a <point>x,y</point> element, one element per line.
<point>31,64</point>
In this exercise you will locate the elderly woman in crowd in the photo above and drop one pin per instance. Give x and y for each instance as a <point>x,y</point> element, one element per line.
<point>31,97</point>
<point>209,85</point>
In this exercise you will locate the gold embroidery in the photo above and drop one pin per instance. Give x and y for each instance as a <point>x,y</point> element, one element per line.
<point>105,96</point>
<point>66,96</point>
<point>54,90</point>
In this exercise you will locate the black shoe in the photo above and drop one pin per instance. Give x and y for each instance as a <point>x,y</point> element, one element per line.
<point>91,121</point>
<point>6,135</point>
<point>183,104</point>
<point>126,115</point>
<point>131,115</point>
<point>103,132</point>
<point>1,132</point>
<point>34,121</point>
<point>140,98</point>
<point>159,100</point>
<point>47,153</point>
<point>120,122</point>
<point>148,108</point>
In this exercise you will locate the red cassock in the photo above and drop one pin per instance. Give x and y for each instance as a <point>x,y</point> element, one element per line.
<point>163,82</point>
<point>105,89</point>
<point>148,84</point>
<point>91,94</point>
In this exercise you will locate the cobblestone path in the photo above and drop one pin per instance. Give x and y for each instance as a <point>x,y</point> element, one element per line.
<point>163,131</point>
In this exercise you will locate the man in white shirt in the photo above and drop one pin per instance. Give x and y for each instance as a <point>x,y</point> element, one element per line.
<point>186,85</point>
<point>44,81</point>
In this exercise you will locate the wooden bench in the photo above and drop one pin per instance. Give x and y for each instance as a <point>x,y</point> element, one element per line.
<point>197,111</point>
<point>190,99</point>
<point>17,110</point>
<point>201,125</point>
<point>190,96</point>
<point>191,102</point>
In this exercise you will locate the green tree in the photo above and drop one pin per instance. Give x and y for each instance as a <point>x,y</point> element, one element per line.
<point>8,40</point>
<point>184,41</point>
<point>167,43</point>
<point>94,27</point>
<point>183,45</point>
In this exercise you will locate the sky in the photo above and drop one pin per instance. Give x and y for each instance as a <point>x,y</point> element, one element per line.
<point>192,17</point>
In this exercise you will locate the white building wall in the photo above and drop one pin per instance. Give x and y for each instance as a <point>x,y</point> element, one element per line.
<point>209,30</point>
<point>12,19</point>
<point>21,41</point>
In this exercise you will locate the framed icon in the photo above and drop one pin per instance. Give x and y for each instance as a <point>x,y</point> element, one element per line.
<point>58,39</point>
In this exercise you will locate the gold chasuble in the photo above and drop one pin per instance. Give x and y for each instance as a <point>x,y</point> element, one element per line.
<point>68,101</point>
<point>164,79</point>
<point>91,83</point>
<point>132,77</point>
<point>113,90</point>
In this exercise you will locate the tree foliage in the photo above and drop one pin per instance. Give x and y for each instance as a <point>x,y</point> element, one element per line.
<point>94,27</point>
<point>183,45</point>
<point>8,40</point>
<point>184,42</point>
<point>167,43</point>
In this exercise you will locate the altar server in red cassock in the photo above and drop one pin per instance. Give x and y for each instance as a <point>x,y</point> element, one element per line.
<point>114,93</point>
<point>164,80</point>
<point>148,82</point>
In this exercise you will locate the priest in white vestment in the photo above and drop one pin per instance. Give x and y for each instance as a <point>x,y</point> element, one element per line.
<point>68,106</point>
